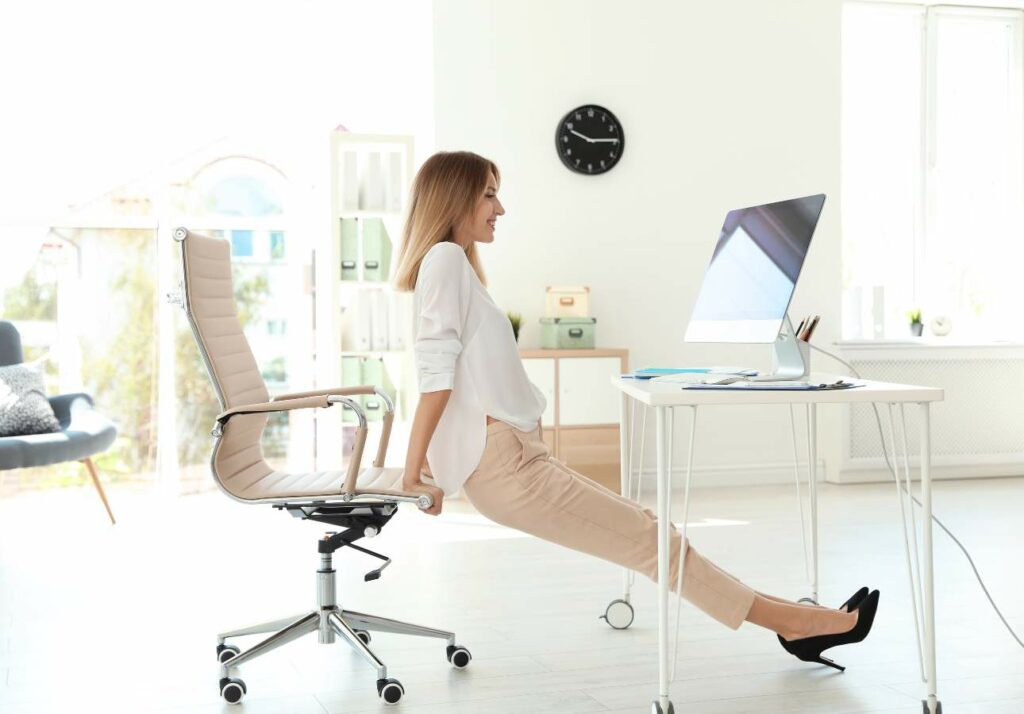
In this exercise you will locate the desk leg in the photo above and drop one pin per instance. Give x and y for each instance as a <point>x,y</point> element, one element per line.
<point>932,702</point>
<point>812,491</point>
<point>625,464</point>
<point>664,550</point>
<point>619,613</point>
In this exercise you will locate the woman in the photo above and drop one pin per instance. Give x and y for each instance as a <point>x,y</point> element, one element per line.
<point>478,422</point>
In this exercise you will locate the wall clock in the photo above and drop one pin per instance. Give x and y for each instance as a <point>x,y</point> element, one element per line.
<point>589,140</point>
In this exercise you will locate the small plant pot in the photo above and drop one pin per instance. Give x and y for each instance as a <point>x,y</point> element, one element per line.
<point>916,328</point>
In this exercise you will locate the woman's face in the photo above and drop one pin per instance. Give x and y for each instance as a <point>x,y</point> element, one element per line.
<point>479,225</point>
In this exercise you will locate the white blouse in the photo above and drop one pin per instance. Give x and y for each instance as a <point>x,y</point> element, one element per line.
<point>464,342</point>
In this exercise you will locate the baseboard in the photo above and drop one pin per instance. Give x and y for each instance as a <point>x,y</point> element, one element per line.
<point>940,472</point>
<point>733,475</point>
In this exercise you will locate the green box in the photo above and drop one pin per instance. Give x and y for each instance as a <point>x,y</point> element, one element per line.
<point>376,250</point>
<point>567,333</point>
<point>349,249</point>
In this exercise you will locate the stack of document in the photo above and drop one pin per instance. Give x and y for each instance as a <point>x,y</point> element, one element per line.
<point>688,375</point>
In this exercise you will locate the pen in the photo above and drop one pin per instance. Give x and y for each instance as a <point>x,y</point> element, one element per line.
<point>811,328</point>
<point>799,327</point>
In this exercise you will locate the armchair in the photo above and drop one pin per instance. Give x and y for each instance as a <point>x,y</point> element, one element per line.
<point>83,433</point>
<point>357,500</point>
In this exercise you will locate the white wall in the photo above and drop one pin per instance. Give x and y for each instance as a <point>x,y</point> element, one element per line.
<point>724,104</point>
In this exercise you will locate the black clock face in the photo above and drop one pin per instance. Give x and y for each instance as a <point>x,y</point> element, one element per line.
<point>589,140</point>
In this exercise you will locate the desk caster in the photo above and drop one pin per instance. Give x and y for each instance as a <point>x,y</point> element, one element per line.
<point>619,614</point>
<point>656,708</point>
<point>808,600</point>
<point>364,636</point>
<point>924,707</point>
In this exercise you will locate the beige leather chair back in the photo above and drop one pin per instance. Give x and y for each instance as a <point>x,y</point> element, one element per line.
<point>209,301</point>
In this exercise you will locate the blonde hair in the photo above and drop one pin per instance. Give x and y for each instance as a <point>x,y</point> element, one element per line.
<point>445,191</point>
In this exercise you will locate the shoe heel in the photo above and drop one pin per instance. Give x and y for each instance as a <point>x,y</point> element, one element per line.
<point>830,663</point>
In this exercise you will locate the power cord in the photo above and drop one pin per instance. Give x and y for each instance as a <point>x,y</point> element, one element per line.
<point>892,472</point>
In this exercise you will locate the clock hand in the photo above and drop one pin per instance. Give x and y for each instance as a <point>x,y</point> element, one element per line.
<point>604,140</point>
<point>587,138</point>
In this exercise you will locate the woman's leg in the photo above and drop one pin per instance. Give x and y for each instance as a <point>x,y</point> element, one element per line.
<point>519,485</point>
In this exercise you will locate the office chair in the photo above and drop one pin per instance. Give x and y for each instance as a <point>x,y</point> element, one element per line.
<point>349,499</point>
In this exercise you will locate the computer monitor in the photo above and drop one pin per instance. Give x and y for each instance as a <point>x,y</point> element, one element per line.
<point>750,280</point>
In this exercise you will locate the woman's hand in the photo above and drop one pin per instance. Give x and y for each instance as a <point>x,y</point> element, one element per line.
<point>433,491</point>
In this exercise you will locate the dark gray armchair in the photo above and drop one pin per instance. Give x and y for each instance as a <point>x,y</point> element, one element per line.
<point>84,431</point>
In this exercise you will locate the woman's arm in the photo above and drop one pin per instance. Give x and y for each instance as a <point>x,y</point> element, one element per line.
<point>428,414</point>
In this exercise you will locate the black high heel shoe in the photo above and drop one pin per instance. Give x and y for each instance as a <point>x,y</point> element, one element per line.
<point>855,600</point>
<point>809,649</point>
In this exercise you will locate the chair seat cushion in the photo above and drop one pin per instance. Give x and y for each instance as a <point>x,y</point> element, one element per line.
<point>24,408</point>
<point>88,432</point>
<point>278,484</point>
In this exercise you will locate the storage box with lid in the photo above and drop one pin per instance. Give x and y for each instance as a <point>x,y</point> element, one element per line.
<point>567,302</point>
<point>560,333</point>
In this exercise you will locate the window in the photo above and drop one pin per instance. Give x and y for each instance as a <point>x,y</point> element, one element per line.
<point>277,245</point>
<point>241,244</point>
<point>932,168</point>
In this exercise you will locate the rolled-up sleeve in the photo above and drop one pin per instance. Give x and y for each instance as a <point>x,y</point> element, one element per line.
<point>442,291</point>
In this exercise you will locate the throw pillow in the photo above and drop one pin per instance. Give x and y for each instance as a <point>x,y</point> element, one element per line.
<point>24,408</point>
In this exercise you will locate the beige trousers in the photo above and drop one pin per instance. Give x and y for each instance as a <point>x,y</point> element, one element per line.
<point>519,485</point>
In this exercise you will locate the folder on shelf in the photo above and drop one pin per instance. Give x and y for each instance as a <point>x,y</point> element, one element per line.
<point>376,250</point>
<point>371,190</point>
<point>378,320</point>
<point>351,376</point>
<point>394,193</point>
<point>376,374</point>
<point>349,198</point>
<point>349,249</point>
<point>398,320</point>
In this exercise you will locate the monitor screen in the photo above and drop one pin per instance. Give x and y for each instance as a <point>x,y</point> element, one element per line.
<point>753,271</point>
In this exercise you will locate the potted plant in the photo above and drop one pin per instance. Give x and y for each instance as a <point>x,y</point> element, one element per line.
<point>916,326</point>
<point>516,319</point>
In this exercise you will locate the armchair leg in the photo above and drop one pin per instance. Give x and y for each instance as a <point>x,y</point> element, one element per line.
<point>91,468</point>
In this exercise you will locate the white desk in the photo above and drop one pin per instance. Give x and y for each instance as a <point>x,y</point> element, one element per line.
<point>665,397</point>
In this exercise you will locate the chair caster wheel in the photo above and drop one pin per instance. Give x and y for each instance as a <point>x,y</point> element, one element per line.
<point>809,600</point>
<point>364,636</point>
<point>924,707</point>
<point>390,690</point>
<point>232,690</point>
<point>226,652</point>
<point>458,656</point>
<point>656,708</point>
<point>618,615</point>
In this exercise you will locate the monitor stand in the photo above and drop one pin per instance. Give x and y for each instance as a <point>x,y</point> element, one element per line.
<point>791,358</point>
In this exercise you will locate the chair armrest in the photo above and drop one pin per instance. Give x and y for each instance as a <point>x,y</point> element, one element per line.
<point>284,405</point>
<point>336,391</point>
<point>61,405</point>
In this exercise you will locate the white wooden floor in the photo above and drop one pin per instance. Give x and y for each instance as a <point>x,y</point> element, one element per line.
<point>123,619</point>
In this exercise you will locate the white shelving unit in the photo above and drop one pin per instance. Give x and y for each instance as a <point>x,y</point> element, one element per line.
<point>370,176</point>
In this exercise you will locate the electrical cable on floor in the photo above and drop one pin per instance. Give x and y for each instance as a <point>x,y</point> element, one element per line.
<point>892,472</point>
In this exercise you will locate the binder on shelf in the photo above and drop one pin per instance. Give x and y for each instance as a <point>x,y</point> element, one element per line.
<point>376,250</point>
<point>378,320</point>
<point>349,198</point>
<point>349,249</point>
<point>393,194</point>
<point>351,376</point>
<point>359,328</point>
<point>398,318</point>
<point>375,373</point>
<point>371,190</point>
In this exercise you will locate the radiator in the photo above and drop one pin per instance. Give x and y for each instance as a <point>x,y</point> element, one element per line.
<point>977,430</point>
